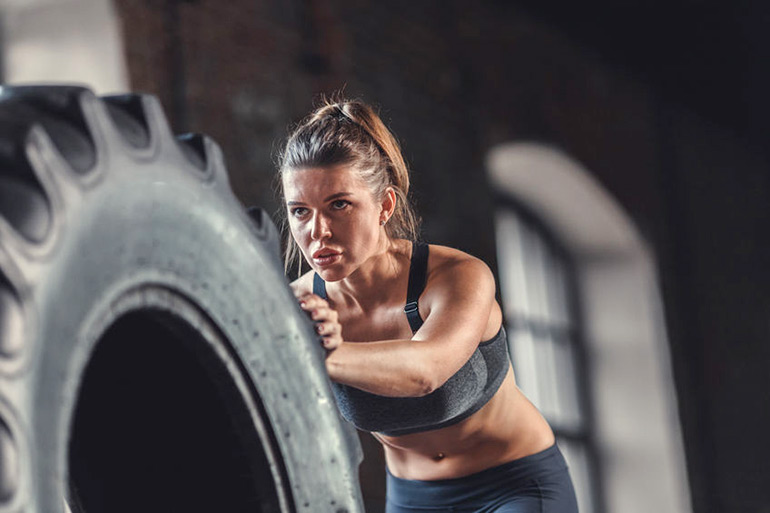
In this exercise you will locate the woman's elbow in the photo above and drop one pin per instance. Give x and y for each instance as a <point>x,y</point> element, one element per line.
<point>425,383</point>
<point>424,387</point>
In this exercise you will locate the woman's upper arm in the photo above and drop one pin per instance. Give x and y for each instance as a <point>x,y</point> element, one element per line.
<point>459,297</point>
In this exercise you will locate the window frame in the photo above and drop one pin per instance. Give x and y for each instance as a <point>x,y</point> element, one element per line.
<point>586,435</point>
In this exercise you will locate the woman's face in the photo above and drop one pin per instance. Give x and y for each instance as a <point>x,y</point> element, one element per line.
<point>334,218</point>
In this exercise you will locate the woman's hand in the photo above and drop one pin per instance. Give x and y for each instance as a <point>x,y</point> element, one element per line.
<point>324,318</point>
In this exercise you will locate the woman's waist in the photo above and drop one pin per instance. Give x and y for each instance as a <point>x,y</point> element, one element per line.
<point>478,489</point>
<point>443,467</point>
<point>504,429</point>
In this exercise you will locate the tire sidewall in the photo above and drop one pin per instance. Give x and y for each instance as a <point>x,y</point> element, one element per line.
<point>155,222</point>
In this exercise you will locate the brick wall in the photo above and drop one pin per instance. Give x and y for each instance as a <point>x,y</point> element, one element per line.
<point>455,78</point>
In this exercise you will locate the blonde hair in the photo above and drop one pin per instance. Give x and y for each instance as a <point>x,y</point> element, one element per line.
<point>349,132</point>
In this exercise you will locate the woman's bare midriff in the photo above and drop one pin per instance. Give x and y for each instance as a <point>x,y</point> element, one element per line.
<point>508,427</point>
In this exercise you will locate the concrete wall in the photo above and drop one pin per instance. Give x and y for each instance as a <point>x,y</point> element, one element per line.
<point>77,41</point>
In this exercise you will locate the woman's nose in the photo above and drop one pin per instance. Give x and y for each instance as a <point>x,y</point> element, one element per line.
<point>320,228</point>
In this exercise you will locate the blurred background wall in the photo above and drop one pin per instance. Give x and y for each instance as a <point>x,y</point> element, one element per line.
<point>607,159</point>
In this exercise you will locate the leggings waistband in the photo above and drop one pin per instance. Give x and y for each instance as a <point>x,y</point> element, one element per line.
<point>446,491</point>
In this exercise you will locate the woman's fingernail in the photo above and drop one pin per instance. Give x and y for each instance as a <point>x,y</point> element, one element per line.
<point>302,304</point>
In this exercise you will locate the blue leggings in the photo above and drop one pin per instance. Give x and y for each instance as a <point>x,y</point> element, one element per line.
<point>538,483</point>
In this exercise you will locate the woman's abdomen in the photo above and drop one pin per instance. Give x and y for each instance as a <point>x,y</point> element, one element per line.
<point>506,428</point>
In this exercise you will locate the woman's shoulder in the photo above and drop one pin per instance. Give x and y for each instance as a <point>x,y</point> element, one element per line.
<point>444,256</point>
<point>445,263</point>
<point>458,283</point>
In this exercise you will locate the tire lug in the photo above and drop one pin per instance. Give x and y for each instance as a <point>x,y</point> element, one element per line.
<point>11,323</point>
<point>9,465</point>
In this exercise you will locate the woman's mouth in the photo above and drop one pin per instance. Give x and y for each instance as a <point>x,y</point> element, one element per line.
<point>325,257</point>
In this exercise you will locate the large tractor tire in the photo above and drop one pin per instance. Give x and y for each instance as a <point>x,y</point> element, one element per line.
<point>152,356</point>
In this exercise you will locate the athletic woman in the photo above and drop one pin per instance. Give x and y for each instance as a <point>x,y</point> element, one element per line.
<point>416,350</point>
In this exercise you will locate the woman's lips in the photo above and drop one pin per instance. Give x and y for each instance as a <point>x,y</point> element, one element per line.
<point>324,258</point>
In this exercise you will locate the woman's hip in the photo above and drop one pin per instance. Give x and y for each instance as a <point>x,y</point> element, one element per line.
<point>540,480</point>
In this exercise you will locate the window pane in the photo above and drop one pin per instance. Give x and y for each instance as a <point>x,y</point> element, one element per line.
<point>546,377</point>
<point>546,373</point>
<point>523,357</point>
<point>534,266</point>
<point>569,410</point>
<point>536,295</point>
<point>512,275</point>
<point>558,314</point>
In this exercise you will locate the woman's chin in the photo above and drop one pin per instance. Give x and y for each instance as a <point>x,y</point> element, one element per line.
<point>330,274</point>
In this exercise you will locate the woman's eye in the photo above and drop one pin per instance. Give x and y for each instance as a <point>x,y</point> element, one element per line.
<point>298,211</point>
<point>340,204</point>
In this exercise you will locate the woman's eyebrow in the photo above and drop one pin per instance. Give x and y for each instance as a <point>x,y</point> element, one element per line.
<point>337,195</point>
<point>326,199</point>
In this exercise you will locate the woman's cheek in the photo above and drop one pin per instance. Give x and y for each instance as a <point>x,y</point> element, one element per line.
<point>298,232</point>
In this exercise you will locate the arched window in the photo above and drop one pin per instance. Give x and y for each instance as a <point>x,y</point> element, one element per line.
<point>588,341</point>
<point>538,292</point>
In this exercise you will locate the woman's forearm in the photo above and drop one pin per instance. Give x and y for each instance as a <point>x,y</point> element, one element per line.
<point>391,368</point>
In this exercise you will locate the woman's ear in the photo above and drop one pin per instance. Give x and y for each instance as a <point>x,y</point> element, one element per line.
<point>388,205</point>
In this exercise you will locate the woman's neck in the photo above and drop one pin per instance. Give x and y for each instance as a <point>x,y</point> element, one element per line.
<point>371,282</point>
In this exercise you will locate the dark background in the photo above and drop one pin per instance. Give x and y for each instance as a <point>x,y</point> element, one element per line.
<point>663,102</point>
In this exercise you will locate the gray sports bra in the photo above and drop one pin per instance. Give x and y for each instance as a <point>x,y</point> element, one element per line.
<point>460,397</point>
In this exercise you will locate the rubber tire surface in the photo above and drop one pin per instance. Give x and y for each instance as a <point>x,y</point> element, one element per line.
<point>105,214</point>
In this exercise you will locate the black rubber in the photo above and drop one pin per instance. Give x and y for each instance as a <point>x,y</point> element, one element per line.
<point>152,356</point>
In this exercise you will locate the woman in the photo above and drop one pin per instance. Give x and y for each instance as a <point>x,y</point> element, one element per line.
<point>423,362</point>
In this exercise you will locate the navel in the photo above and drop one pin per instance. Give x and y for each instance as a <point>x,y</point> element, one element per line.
<point>439,456</point>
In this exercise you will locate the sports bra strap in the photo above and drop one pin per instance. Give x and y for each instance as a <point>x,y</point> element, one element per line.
<point>319,286</point>
<point>418,271</point>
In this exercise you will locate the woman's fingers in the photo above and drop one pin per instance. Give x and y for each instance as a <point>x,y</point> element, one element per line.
<point>326,328</point>
<point>318,309</point>
<point>325,318</point>
<point>311,301</point>
<point>323,313</point>
<point>331,342</point>
<point>331,334</point>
